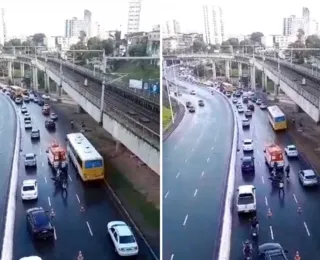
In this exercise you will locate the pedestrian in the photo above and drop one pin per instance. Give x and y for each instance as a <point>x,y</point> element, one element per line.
<point>293,122</point>
<point>281,188</point>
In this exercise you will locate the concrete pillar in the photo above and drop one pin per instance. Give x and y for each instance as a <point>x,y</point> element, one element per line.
<point>12,64</point>
<point>265,79</point>
<point>276,89</point>
<point>239,69</point>
<point>214,71</point>
<point>46,82</point>
<point>10,70</point>
<point>227,68</point>
<point>22,69</point>
<point>58,90</point>
<point>253,77</point>
<point>36,87</point>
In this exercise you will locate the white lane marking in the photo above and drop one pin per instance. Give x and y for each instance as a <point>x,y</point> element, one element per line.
<point>77,197</point>
<point>40,151</point>
<point>181,139</point>
<point>88,225</point>
<point>271,232</point>
<point>185,220</point>
<point>49,201</point>
<point>55,233</point>
<point>208,159</point>
<point>69,177</point>
<point>172,256</point>
<point>166,195</point>
<point>45,179</point>
<point>186,160</point>
<point>175,147</point>
<point>306,227</point>
<point>177,175</point>
<point>192,149</point>
<point>259,163</point>
<point>266,200</point>
<point>42,164</point>
<point>202,174</point>
<point>195,193</point>
<point>295,198</point>
<point>212,147</point>
<point>262,179</point>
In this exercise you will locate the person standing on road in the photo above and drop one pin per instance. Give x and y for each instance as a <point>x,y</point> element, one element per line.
<point>281,188</point>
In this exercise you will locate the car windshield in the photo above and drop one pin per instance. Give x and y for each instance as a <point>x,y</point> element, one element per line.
<point>126,239</point>
<point>40,219</point>
<point>245,199</point>
<point>247,161</point>
<point>29,157</point>
<point>292,149</point>
<point>311,177</point>
<point>28,188</point>
<point>247,142</point>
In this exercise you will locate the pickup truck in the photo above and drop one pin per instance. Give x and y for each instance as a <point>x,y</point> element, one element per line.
<point>272,251</point>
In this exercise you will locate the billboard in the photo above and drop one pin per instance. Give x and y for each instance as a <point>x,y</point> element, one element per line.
<point>152,85</point>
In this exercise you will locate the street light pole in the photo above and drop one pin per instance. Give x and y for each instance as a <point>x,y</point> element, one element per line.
<point>168,91</point>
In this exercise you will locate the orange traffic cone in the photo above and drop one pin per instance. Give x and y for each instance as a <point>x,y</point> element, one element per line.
<point>80,256</point>
<point>269,214</point>
<point>299,209</point>
<point>297,256</point>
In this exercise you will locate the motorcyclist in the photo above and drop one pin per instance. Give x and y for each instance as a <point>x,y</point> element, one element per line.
<point>247,248</point>
<point>255,222</point>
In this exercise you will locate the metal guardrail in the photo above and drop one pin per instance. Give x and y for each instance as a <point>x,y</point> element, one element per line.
<point>136,127</point>
<point>122,84</point>
<point>199,56</point>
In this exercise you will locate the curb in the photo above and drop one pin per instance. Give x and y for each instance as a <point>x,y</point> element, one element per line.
<point>7,246</point>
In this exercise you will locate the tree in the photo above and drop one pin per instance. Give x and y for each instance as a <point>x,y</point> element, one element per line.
<point>226,47</point>
<point>234,42</point>
<point>198,46</point>
<point>13,42</point>
<point>138,50</point>
<point>256,37</point>
<point>82,36</point>
<point>300,34</point>
<point>108,46</point>
<point>38,38</point>
<point>313,41</point>
<point>94,43</point>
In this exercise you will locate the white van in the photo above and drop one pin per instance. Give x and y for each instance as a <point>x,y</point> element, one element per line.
<point>246,199</point>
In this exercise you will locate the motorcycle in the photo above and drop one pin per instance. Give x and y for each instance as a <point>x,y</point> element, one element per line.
<point>247,251</point>
<point>255,231</point>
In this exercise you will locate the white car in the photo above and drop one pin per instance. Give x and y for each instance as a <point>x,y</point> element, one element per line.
<point>30,160</point>
<point>246,199</point>
<point>26,98</point>
<point>29,190</point>
<point>240,109</point>
<point>245,122</point>
<point>31,97</point>
<point>247,145</point>
<point>18,100</point>
<point>27,125</point>
<point>123,239</point>
<point>234,101</point>
<point>193,92</point>
<point>35,99</point>
<point>46,96</point>
<point>53,116</point>
<point>24,110</point>
<point>291,151</point>
<point>35,134</point>
<point>26,114</point>
<point>263,106</point>
<point>308,178</point>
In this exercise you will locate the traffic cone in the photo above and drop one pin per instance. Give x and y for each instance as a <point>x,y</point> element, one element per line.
<point>299,209</point>
<point>82,209</point>
<point>297,256</point>
<point>269,214</point>
<point>80,256</point>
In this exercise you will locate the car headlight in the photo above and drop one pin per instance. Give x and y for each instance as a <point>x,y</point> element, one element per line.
<point>121,249</point>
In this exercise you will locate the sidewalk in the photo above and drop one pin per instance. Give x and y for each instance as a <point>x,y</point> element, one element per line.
<point>136,185</point>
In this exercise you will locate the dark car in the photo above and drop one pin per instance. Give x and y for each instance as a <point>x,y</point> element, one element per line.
<point>251,107</point>
<point>39,224</point>
<point>40,102</point>
<point>270,251</point>
<point>188,104</point>
<point>201,103</point>
<point>238,94</point>
<point>50,124</point>
<point>245,100</point>
<point>192,109</point>
<point>248,113</point>
<point>247,164</point>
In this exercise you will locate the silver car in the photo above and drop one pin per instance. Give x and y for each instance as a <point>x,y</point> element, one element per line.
<point>308,178</point>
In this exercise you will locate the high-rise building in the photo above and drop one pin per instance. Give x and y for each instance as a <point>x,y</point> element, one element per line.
<point>73,27</point>
<point>88,23</point>
<point>68,28</point>
<point>134,16</point>
<point>213,24</point>
<point>292,24</point>
<point>172,27</point>
<point>306,20</point>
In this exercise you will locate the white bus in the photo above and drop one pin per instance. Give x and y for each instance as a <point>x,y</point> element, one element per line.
<point>88,162</point>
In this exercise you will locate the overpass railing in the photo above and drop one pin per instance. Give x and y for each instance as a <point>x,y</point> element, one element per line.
<point>200,56</point>
<point>136,127</point>
<point>121,84</point>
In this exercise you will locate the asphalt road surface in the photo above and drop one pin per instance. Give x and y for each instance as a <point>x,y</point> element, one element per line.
<point>7,140</point>
<point>122,104</point>
<point>195,167</point>
<point>293,230</point>
<point>74,230</point>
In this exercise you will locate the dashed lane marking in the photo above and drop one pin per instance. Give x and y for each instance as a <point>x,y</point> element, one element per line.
<point>175,147</point>
<point>306,227</point>
<point>77,197</point>
<point>192,149</point>
<point>40,151</point>
<point>90,231</point>
<point>177,175</point>
<point>259,163</point>
<point>208,159</point>
<point>186,160</point>
<point>262,179</point>
<point>69,177</point>
<point>295,198</point>
<point>49,201</point>
<point>266,200</point>
<point>185,220</point>
<point>195,193</point>
<point>212,147</point>
<point>166,195</point>
<point>45,179</point>
<point>55,233</point>
<point>202,174</point>
<point>42,164</point>
<point>172,256</point>
<point>271,233</point>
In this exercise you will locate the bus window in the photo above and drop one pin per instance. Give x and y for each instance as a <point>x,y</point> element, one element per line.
<point>93,164</point>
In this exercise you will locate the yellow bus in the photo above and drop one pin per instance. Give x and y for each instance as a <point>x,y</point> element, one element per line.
<point>86,159</point>
<point>277,118</point>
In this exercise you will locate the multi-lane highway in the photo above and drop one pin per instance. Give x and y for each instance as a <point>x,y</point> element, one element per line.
<point>148,118</point>
<point>195,169</point>
<point>75,230</point>
<point>7,140</point>
<point>293,230</point>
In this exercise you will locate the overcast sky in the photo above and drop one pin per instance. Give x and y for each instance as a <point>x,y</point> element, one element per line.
<point>29,17</point>
<point>239,18</point>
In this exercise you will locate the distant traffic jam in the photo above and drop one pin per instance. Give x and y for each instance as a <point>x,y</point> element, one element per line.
<point>88,163</point>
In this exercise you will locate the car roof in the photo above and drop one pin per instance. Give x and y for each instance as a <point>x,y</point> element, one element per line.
<point>245,188</point>
<point>291,146</point>
<point>247,158</point>
<point>245,120</point>
<point>309,172</point>
<point>35,130</point>
<point>30,154</point>
<point>29,182</point>
<point>123,230</point>
<point>247,141</point>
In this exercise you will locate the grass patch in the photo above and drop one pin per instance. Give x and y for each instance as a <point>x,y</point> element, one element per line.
<point>136,72</point>
<point>122,185</point>
<point>166,117</point>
